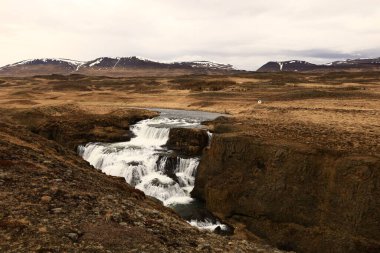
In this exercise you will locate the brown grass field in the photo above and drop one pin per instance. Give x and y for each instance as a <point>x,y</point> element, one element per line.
<point>338,111</point>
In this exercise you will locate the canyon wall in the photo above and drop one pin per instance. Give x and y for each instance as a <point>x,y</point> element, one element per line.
<point>297,198</point>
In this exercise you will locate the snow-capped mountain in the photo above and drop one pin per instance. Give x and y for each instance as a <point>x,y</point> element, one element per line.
<point>46,61</point>
<point>355,62</point>
<point>41,66</point>
<point>295,65</point>
<point>107,66</point>
<point>134,61</point>
<point>120,62</point>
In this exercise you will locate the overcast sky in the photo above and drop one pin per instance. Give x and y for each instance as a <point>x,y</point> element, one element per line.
<point>245,33</point>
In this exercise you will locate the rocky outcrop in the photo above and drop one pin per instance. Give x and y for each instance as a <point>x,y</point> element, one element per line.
<point>169,168</point>
<point>296,197</point>
<point>70,126</point>
<point>188,141</point>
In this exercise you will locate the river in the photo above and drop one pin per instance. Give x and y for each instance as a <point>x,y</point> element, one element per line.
<point>142,161</point>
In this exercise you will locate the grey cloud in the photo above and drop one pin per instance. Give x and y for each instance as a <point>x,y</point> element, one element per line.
<point>321,53</point>
<point>244,33</point>
<point>308,53</point>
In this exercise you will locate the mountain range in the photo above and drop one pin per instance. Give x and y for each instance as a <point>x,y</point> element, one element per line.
<point>120,66</point>
<point>302,66</point>
<point>137,66</point>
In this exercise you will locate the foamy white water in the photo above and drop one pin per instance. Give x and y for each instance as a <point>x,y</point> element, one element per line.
<point>207,224</point>
<point>143,161</point>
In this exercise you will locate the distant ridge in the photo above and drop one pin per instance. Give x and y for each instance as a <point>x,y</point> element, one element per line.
<point>118,66</point>
<point>347,65</point>
<point>138,66</point>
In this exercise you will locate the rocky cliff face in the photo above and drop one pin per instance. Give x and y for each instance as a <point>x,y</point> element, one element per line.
<point>298,198</point>
<point>188,141</point>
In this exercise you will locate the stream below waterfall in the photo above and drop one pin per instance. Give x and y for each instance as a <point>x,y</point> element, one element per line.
<point>142,160</point>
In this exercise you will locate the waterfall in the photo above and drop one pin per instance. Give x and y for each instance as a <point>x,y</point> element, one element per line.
<point>185,171</point>
<point>207,224</point>
<point>139,161</point>
<point>209,138</point>
<point>147,165</point>
<point>147,135</point>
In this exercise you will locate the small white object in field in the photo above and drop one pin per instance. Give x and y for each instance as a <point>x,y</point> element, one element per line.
<point>259,102</point>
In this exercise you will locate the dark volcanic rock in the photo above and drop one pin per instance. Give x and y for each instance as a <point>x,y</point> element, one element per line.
<point>188,141</point>
<point>297,198</point>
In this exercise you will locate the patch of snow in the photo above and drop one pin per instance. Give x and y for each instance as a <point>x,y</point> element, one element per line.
<point>96,62</point>
<point>348,61</point>
<point>80,65</point>
<point>207,64</point>
<point>281,64</point>
<point>73,62</point>
<point>118,60</point>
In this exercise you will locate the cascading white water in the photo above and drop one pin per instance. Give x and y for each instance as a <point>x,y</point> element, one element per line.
<point>208,224</point>
<point>142,161</point>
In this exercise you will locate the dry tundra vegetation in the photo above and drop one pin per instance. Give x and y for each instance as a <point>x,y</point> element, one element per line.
<point>337,112</point>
